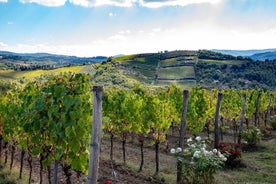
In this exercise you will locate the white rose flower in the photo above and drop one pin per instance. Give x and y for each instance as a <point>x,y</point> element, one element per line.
<point>215,150</point>
<point>196,154</point>
<point>198,138</point>
<point>208,152</point>
<point>178,150</point>
<point>186,150</point>
<point>172,151</point>
<point>220,155</point>
<point>189,140</point>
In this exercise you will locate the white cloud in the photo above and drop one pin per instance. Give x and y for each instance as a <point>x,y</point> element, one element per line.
<point>85,3</point>
<point>117,37</point>
<point>160,3</point>
<point>110,14</point>
<point>145,3</point>
<point>46,2</point>
<point>120,3</point>
<point>131,41</point>
<point>3,1</point>
<point>125,31</point>
<point>3,45</point>
<point>92,3</point>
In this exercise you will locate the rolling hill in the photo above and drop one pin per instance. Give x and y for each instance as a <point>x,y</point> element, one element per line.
<point>204,68</point>
<point>31,60</point>
<point>261,55</point>
<point>244,53</point>
<point>264,56</point>
<point>164,68</point>
<point>183,68</point>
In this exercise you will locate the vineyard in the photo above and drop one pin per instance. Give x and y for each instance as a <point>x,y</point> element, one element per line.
<point>50,121</point>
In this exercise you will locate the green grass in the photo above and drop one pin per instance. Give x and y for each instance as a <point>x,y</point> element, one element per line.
<point>261,166</point>
<point>124,58</point>
<point>7,177</point>
<point>145,64</point>
<point>10,74</point>
<point>176,72</point>
<point>174,61</point>
<point>6,74</point>
<point>222,62</point>
<point>179,53</point>
<point>185,84</point>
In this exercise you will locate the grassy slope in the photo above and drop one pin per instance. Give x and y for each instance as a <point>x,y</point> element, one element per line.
<point>176,72</point>
<point>261,166</point>
<point>176,61</point>
<point>221,62</point>
<point>187,84</point>
<point>143,66</point>
<point>9,74</point>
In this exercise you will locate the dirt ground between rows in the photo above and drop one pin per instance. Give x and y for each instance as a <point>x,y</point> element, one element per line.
<point>124,173</point>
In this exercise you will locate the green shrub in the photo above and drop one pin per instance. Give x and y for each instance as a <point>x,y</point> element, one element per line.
<point>252,136</point>
<point>232,152</point>
<point>273,123</point>
<point>198,164</point>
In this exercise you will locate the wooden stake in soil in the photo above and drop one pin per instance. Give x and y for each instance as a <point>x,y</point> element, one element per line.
<point>183,119</point>
<point>182,133</point>
<point>55,177</point>
<point>217,120</point>
<point>242,117</point>
<point>96,136</point>
<point>257,121</point>
<point>268,109</point>
<point>21,163</point>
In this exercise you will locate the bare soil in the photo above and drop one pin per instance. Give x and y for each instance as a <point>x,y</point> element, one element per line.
<point>125,173</point>
<point>128,173</point>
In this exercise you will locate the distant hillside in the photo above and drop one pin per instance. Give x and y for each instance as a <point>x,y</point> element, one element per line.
<point>163,68</point>
<point>29,60</point>
<point>264,56</point>
<point>184,68</point>
<point>204,68</point>
<point>244,53</point>
<point>30,54</point>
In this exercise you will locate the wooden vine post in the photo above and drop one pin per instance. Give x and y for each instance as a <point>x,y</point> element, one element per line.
<point>268,109</point>
<point>257,121</point>
<point>217,120</point>
<point>96,136</point>
<point>182,132</point>
<point>242,117</point>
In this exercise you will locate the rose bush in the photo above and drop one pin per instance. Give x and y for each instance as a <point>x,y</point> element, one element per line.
<point>251,136</point>
<point>199,164</point>
<point>232,152</point>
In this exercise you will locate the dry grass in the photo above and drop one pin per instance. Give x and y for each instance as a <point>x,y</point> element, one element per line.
<point>7,177</point>
<point>260,165</point>
<point>10,74</point>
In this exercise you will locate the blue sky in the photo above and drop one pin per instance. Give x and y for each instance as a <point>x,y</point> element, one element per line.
<point>111,27</point>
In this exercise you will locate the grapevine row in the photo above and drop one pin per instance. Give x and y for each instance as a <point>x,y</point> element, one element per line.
<point>51,119</point>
